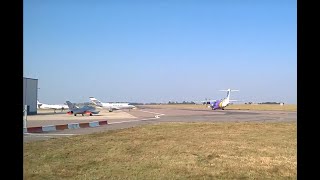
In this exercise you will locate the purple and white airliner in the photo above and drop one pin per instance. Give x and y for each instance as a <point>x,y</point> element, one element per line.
<point>222,103</point>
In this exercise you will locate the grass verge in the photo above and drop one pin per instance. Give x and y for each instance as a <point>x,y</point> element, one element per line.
<point>169,151</point>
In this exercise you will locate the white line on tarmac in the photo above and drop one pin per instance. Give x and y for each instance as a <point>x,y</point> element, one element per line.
<point>153,112</point>
<point>134,120</point>
<point>155,117</point>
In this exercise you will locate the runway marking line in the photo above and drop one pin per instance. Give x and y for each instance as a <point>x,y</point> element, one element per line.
<point>153,112</point>
<point>155,117</point>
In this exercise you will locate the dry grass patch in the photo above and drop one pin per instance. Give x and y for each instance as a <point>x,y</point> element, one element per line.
<point>169,151</point>
<point>271,107</point>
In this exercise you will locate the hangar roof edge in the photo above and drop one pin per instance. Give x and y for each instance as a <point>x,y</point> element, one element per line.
<point>30,78</point>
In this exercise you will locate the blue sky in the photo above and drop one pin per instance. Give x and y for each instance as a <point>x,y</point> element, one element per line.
<point>161,50</point>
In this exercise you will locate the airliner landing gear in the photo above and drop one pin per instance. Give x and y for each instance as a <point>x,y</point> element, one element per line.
<point>90,114</point>
<point>75,114</point>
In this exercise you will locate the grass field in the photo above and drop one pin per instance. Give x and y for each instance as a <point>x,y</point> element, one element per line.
<point>288,107</point>
<point>169,151</point>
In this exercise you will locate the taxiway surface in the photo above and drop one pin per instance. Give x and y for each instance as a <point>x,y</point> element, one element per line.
<point>126,119</point>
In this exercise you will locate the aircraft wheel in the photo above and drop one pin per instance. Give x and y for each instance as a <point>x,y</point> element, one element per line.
<point>75,114</point>
<point>90,114</point>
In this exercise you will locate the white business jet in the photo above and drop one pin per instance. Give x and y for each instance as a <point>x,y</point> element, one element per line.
<point>111,106</point>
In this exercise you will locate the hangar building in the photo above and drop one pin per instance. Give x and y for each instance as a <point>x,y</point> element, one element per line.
<point>30,94</point>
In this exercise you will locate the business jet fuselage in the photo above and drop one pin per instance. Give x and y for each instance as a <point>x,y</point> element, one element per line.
<point>52,106</point>
<point>111,106</point>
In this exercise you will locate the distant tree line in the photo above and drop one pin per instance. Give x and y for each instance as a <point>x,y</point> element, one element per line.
<point>153,103</point>
<point>265,103</point>
<point>191,102</point>
<point>170,102</point>
<point>269,103</point>
<point>184,102</point>
<point>135,103</point>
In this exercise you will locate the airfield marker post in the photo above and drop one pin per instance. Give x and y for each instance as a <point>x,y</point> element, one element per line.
<point>25,118</point>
